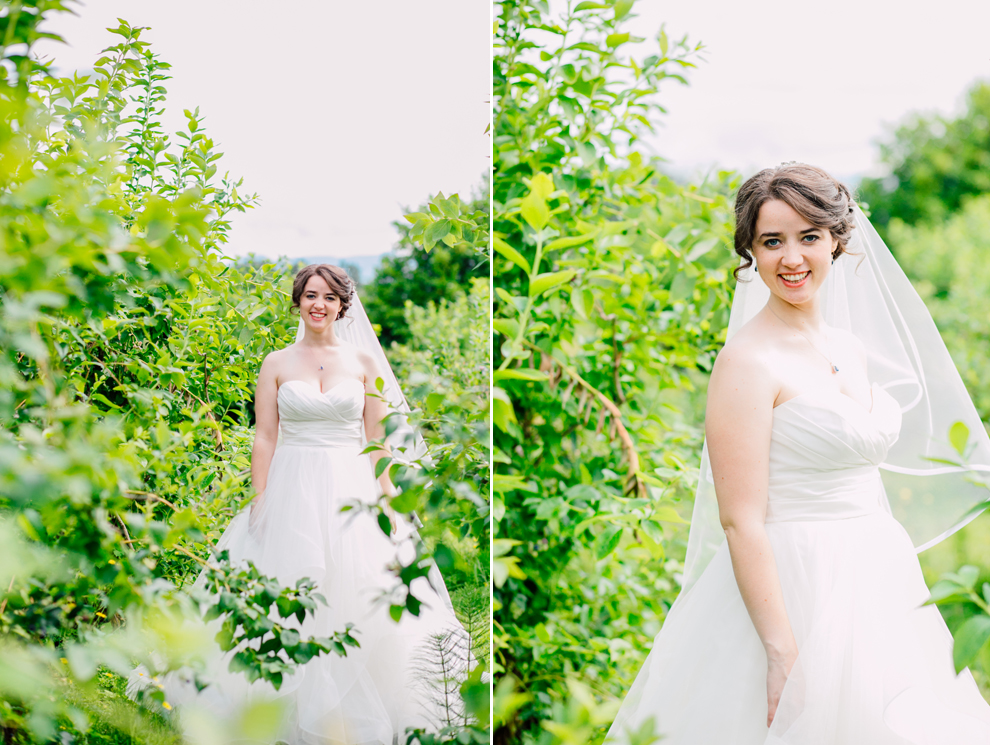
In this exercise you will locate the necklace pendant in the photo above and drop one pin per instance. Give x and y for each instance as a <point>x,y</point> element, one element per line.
<point>321,367</point>
<point>835,369</point>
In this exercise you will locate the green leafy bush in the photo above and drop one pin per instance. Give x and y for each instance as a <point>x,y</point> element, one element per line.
<point>612,286</point>
<point>128,353</point>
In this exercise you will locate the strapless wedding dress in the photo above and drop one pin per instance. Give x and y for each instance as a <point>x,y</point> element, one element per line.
<point>874,667</point>
<point>376,691</point>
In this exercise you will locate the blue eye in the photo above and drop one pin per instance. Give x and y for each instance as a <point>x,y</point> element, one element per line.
<point>813,237</point>
<point>772,242</point>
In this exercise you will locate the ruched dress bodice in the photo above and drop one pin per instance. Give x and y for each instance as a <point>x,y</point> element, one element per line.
<point>825,453</point>
<point>311,418</point>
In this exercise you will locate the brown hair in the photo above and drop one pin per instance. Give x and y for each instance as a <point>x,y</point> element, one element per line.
<point>334,276</point>
<point>811,192</point>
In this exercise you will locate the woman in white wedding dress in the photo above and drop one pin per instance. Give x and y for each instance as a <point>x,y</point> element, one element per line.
<point>321,394</point>
<point>801,618</point>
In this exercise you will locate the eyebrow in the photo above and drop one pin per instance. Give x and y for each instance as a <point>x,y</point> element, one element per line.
<point>777,235</point>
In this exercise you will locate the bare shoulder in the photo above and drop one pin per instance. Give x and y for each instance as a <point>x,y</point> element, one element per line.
<point>748,353</point>
<point>365,360</point>
<point>739,363</point>
<point>276,360</point>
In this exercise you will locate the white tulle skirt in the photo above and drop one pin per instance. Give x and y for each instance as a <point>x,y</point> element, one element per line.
<point>874,667</point>
<point>374,693</point>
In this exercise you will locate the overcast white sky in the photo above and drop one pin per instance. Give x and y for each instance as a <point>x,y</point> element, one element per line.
<point>336,113</point>
<point>813,82</point>
<point>339,113</point>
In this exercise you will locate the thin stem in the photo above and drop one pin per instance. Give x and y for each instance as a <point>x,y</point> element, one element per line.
<point>524,316</point>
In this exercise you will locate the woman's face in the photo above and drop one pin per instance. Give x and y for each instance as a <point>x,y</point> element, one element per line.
<point>318,305</point>
<point>792,255</point>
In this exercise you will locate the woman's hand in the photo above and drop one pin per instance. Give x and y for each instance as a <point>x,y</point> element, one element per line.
<point>778,669</point>
<point>255,508</point>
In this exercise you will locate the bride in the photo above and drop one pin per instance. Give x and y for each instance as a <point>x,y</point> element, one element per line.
<point>321,394</point>
<point>800,620</point>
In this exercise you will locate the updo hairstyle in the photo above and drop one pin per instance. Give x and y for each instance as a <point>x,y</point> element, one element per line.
<point>334,276</point>
<point>811,192</point>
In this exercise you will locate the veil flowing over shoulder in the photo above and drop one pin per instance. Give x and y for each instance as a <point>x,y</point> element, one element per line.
<point>869,295</point>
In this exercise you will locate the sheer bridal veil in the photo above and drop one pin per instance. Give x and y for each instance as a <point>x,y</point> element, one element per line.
<point>868,294</point>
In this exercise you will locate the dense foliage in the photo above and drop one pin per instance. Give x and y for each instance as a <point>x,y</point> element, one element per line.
<point>445,368</point>
<point>128,353</point>
<point>441,248</point>
<point>612,298</point>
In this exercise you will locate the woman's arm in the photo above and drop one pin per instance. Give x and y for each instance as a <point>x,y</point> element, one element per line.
<point>265,428</point>
<point>739,417</point>
<point>375,411</point>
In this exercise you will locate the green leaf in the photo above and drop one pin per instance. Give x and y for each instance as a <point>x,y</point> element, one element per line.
<point>535,211</point>
<point>653,530</point>
<point>701,248</point>
<point>502,483</point>
<point>959,437</point>
<point>506,327</point>
<point>289,637</point>
<point>534,208</point>
<point>504,415</point>
<point>570,241</point>
<point>434,401</point>
<point>614,40</point>
<point>968,575</point>
<point>541,633</point>
<point>969,639</point>
<point>583,302</point>
<point>547,281</point>
<point>521,373</point>
<point>435,232</point>
<point>946,589</point>
<point>504,567</point>
<point>588,5</point>
<point>622,8</point>
<point>511,254</point>
<point>609,540</point>
<point>384,523</point>
<point>405,502</point>
<point>443,557</point>
<point>667,514</point>
<point>381,465</point>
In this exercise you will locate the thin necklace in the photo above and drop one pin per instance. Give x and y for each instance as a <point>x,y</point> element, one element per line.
<point>828,357</point>
<point>314,356</point>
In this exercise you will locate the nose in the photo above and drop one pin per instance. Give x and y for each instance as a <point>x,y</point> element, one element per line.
<point>792,255</point>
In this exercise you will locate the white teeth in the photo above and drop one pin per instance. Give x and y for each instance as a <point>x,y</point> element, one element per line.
<point>795,277</point>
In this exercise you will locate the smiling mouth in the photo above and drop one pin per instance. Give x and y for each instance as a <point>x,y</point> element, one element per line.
<point>316,314</point>
<point>794,280</point>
